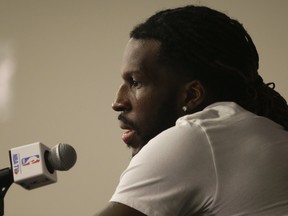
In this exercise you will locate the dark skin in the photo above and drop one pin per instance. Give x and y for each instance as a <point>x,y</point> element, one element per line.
<point>150,100</point>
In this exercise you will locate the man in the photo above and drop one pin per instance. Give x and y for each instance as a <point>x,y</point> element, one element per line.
<point>227,152</point>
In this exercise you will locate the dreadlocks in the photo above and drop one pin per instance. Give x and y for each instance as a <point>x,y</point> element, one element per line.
<point>204,44</point>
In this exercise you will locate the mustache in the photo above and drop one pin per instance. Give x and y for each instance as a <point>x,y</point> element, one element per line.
<point>125,120</point>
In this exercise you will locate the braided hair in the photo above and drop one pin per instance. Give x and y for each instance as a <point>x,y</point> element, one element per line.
<point>200,43</point>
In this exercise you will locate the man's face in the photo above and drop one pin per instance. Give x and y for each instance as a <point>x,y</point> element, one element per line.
<point>148,97</point>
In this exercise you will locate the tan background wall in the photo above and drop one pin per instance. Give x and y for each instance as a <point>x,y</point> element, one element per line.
<point>68,55</point>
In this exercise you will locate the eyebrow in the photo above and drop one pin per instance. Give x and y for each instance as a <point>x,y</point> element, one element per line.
<point>132,72</point>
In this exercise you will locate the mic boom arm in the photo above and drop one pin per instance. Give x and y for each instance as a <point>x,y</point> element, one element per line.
<point>6,179</point>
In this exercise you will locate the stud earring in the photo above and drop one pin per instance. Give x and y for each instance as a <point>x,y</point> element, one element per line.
<point>184,108</point>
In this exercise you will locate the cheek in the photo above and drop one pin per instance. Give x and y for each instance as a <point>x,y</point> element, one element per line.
<point>146,98</point>
<point>149,103</point>
<point>146,106</point>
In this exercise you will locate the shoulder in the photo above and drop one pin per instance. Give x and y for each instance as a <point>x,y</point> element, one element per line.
<point>219,111</point>
<point>169,169</point>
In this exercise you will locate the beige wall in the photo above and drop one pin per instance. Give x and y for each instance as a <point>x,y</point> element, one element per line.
<point>67,55</point>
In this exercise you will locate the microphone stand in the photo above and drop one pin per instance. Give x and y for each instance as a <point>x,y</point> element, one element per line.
<point>6,179</point>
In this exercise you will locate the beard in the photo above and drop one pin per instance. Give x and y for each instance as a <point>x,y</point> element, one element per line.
<point>162,119</point>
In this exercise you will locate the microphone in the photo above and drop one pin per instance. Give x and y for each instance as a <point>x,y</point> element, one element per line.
<point>34,165</point>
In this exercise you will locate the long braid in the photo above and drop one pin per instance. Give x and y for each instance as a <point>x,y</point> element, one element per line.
<point>269,103</point>
<point>201,43</point>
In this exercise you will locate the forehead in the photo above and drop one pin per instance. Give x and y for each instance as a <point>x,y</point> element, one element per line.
<point>141,55</point>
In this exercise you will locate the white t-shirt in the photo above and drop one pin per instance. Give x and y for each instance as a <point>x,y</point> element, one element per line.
<point>223,161</point>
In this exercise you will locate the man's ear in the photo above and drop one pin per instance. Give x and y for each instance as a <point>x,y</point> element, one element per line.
<point>195,95</point>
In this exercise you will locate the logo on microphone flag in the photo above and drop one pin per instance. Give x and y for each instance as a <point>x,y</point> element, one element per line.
<point>30,160</point>
<point>16,165</point>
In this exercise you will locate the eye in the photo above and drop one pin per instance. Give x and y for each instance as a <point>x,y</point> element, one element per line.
<point>135,83</point>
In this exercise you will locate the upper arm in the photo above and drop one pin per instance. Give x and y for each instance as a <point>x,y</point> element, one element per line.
<point>118,209</point>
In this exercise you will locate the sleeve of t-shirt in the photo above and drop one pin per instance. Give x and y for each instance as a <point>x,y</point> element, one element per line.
<point>173,174</point>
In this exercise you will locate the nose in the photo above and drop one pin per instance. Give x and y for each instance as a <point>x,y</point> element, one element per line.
<point>121,102</point>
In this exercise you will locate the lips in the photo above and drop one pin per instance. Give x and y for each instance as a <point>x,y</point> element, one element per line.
<point>127,136</point>
<point>128,133</point>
